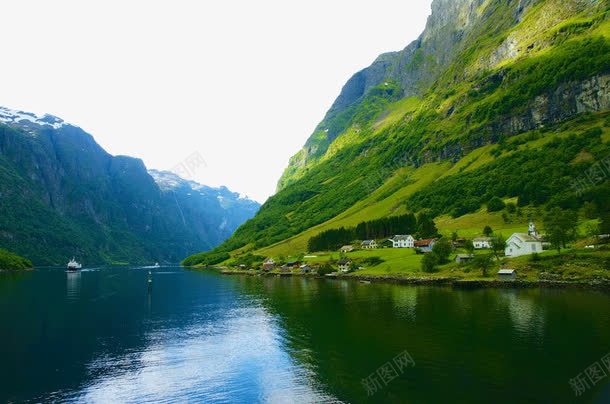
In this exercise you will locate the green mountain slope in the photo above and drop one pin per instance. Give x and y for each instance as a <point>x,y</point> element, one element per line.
<point>503,99</point>
<point>62,195</point>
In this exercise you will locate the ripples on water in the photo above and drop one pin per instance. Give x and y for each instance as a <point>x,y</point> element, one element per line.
<point>105,335</point>
<point>215,349</point>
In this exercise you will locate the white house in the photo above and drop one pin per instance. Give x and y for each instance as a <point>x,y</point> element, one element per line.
<point>403,241</point>
<point>522,244</point>
<point>344,265</point>
<point>268,264</point>
<point>481,242</point>
<point>369,244</point>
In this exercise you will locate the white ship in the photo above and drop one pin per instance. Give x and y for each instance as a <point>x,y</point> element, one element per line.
<point>73,265</point>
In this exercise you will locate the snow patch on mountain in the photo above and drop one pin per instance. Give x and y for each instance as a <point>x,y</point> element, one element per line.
<point>29,119</point>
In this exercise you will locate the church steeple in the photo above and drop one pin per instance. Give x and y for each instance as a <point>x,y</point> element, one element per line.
<point>532,230</point>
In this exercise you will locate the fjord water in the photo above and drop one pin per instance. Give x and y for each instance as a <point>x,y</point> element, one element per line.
<point>104,335</point>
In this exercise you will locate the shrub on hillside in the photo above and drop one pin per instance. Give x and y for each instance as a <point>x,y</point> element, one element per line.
<point>495,204</point>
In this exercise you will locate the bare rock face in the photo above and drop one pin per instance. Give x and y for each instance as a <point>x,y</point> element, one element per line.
<point>564,102</point>
<point>415,68</point>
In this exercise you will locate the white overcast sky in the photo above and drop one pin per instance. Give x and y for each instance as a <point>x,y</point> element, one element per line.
<point>241,82</point>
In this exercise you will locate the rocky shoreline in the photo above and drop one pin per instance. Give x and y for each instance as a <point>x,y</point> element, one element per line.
<point>457,283</point>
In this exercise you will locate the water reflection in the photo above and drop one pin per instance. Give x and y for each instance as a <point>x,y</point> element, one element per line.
<point>405,301</point>
<point>210,338</point>
<point>528,317</point>
<point>238,356</point>
<point>73,285</point>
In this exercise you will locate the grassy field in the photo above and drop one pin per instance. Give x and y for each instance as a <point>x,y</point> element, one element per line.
<point>389,199</point>
<point>570,265</point>
<point>385,201</point>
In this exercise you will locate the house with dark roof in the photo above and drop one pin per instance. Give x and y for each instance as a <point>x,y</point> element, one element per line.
<point>369,244</point>
<point>344,265</point>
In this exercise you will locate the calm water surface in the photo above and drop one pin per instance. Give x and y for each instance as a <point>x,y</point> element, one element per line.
<point>102,335</point>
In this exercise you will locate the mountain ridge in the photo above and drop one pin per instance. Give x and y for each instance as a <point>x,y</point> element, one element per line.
<point>63,195</point>
<point>495,72</point>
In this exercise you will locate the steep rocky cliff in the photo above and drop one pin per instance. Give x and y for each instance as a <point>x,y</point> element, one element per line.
<point>62,195</point>
<point>496,99</point>
<point>444,48</point>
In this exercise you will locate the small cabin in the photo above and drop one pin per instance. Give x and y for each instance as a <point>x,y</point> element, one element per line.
<point>305,268</point>
<point>347,248</point>
<point>507,274</point>
<point>463,258</point>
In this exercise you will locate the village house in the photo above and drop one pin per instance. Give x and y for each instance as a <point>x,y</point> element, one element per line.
<point>425,245</point>
<point>344,265</point>
<point>523,243</point>
<point>268,264</point>
<point>480,243</point>
<point>402,241</point>
<point>305,268</point>
<point>369,244</point>
<point>463,258</point>
<point>459,242</point>
<point>507,274</point>
<point>347,248</point>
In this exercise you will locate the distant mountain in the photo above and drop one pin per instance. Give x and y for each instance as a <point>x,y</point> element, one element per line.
<point>62,195</point>
<point>505,99</point>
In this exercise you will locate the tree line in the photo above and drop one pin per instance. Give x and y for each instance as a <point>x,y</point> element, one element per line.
<point>421,226</point>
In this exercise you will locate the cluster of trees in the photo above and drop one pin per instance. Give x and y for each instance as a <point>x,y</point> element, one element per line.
<point>439,255</point>
<point>560,227</point>
<point>8,260</point>
<point>422,226</point>
<point>542,176</point>
<point>443,248</point>
<point>374,229</point>
<point>206,258</point>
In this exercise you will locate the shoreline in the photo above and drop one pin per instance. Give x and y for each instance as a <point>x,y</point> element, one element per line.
<point>454,282</point>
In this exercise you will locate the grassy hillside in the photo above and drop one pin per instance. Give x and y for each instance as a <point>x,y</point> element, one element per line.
<point>12,261</point>
<point>520,112</point>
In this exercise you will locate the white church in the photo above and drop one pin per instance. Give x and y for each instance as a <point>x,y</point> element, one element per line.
<point>524,243</point>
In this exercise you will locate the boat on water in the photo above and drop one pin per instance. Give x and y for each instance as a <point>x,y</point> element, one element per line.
<point>73,265</point>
